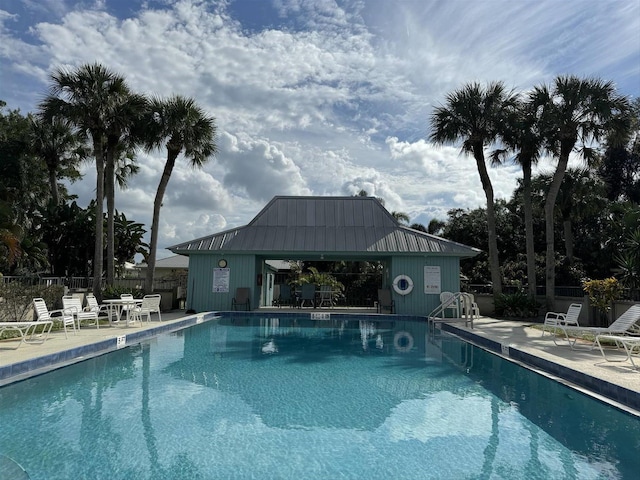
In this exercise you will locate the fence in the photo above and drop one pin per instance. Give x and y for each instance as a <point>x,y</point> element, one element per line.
<point>84,283</point>
<point>631,294</point>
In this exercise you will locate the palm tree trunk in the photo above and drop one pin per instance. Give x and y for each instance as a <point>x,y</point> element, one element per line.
<point>494,261</point>
<point>568,239</point>
<point>157,204</point>
<point>53,182</point>
<point>549,208</point>
<point>109,175</point>
<point>99,221</point>
<point>528,228</point>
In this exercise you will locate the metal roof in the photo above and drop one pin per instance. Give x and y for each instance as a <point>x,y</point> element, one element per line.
<point>338,225</point>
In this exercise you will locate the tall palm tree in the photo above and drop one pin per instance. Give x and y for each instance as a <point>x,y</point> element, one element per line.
<point>573,112</point>
<point>521,134</point>
<point>186,129</point>
<point>128,111</point>
<point>475,115</point>
<point>55,141</point>
<point>86,97</point>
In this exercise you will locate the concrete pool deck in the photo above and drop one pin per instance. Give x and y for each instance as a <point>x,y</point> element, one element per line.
<point>586,369</point>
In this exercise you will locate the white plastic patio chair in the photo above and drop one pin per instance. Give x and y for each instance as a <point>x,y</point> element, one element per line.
<point>74,305</point>
<point>554,320</point>
<point>94,306</point>
<point>469,305</point>
<point>150,304</point>
<point>449,302</point>
<point>326,296</point>
<point>44,315</point>
<point>128,308</point>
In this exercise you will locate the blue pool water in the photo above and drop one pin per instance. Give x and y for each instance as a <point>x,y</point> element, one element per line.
<point>294,398</point>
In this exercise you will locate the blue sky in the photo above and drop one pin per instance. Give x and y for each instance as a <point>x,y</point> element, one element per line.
<point>314,97</point>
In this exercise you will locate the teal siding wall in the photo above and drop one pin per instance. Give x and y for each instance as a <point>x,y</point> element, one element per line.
<point>244,270</point>
<point>242,273</point>
<point>417,302</point>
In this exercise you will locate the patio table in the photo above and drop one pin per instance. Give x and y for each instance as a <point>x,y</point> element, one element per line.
<point>118,305</point>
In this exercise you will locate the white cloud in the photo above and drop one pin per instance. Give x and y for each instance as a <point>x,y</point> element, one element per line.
<point>322,98</point>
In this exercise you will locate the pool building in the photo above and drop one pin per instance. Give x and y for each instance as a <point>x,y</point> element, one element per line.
<point>417,266</point>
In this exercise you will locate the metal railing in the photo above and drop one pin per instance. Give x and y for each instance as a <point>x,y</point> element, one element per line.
<point>80,283</point>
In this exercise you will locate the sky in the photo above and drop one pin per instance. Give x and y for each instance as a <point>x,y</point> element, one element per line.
<point>313,97</point>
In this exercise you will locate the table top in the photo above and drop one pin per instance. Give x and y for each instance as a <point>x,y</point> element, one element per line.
<point>123,300</point>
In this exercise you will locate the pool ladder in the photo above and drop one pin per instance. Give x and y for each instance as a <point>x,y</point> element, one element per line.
<point>466,302</point>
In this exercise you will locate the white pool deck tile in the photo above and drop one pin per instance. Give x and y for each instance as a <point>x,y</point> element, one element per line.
<point>511,338</point>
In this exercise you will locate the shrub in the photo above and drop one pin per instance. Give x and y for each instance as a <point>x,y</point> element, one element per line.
<point>16,299</point>
<point>516,305</point>
<point>116,291</point>
<point>602,293</point>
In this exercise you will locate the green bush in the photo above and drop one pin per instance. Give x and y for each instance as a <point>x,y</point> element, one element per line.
<point>115,292</point>
<point>516,305</point>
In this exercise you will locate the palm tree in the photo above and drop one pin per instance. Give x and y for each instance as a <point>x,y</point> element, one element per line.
<point>435,226</point>
<point>401,217</point>
<point>475,115</point>
<point>581,195</point>
<point>521,134</point>
<point>54,141</point>
<point>186,129</point>
<point>573,112</point>
<point>127,112</point>
<point>86,97</point>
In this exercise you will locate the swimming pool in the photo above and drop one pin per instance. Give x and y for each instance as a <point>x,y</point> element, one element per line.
<point>295,398</point>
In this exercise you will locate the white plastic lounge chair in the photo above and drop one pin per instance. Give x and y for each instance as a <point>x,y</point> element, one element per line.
<point>44,315</point>
<point>449,301</point>
<point>74,305</point>
<point>555,319</point>
<point>30,332</point>
<point>631,345</point>
<point>150,304</point>
<point>625,324</point>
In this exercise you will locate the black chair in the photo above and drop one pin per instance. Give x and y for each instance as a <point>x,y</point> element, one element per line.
<point>308,294</point>
<point>385,303</point>
<point>241,299</point>
<point>285,297</point>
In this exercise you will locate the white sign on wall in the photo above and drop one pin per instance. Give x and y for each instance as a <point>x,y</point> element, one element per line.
<point>220,280</point>
<point>432,280</point>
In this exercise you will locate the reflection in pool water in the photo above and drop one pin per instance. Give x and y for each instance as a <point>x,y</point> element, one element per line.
<point>258,397</point>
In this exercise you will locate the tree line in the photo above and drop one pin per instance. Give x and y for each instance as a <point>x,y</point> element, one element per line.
<point>573,224</point>
<point>572,115</point>
<point>89,114</point>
